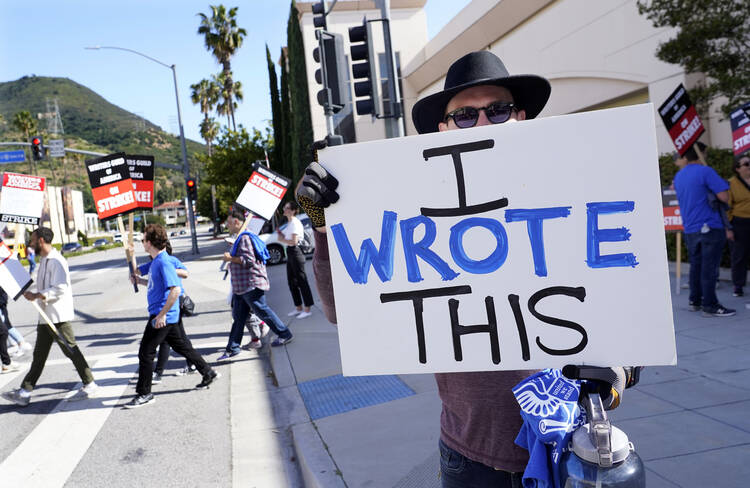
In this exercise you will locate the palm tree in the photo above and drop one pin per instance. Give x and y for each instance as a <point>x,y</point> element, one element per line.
<point>223,38</point>
<point>229,95</point>
<point>209,130</point>
<point>24,122</point>
<point>205,93</point>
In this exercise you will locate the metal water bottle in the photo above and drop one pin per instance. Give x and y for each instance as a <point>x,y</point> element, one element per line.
<point>599,454</point>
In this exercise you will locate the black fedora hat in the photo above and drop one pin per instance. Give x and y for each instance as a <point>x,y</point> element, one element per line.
<point>530,92</point>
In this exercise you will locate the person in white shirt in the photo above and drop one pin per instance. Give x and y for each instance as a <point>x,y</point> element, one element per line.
<point>54,295</point>
<point>292,234</point>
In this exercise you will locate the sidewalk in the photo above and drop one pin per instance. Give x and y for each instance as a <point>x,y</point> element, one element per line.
<point>689,423</point>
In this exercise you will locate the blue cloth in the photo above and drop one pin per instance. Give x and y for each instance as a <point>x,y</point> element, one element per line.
<point>692,184</point>
<point>550,412</point>
<point>261,251</point>
<point>161,278</point>
<point>144,268</point>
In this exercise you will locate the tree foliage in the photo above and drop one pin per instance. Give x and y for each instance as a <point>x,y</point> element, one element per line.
<point>284,139</point>
<point>276,161</point>
<point>713,38</point>
<point>223,38</point>
<point>302,133</point>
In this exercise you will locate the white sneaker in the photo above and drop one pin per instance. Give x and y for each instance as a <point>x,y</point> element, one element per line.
<point>304,315</point>
<point>255,344</point>
<point>294,312</point>
<point>85,392</point>
<point>9,368</point>
<point>25,346</point>
<point>13,350</point>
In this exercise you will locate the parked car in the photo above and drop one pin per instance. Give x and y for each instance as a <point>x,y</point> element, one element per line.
<point>101,242</point>
<point>117,237</point>
<point>71,247</point>
<point>277,250</point>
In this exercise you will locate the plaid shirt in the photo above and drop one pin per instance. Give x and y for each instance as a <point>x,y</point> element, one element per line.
<point>251,273</point>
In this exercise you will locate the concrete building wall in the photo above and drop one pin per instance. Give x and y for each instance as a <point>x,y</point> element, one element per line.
<point>595,54</point>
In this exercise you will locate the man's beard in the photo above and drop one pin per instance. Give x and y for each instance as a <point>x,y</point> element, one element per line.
<point>37,248</point>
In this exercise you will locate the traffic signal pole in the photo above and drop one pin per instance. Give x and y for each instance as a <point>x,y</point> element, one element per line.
<point>393,91</point>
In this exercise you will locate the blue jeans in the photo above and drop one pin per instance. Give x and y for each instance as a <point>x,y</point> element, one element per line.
<point>255,299</point>
<point>704,251</point>
<point>458,471</point>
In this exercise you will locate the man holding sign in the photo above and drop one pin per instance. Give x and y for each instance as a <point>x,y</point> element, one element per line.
<point>480,418</point>
<point>55,297</point>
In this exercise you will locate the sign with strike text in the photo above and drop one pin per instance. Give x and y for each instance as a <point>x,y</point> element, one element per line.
<point>14,278</point>
<point>671,208</point>
<point>681,120</point>
<point>739,119</point>
<point>22,199</point>
<point>263,191</point>
<point>504,247</point>
<point>111,185</point>
<point>141,170</point>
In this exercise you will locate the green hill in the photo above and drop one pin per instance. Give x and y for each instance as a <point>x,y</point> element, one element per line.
<point>92,123</point>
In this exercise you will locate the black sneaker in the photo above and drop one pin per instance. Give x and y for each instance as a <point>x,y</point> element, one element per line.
<point>207,380</point>
<point>140,400</point>
<point>719,311</point>
<point>738,292</point>
<point>156,378</point>
<point>280,341</point>
<point>694,307</point>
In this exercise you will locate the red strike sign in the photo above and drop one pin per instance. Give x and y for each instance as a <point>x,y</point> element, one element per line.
<point>672,218</point>
<point>267,185</point>
<point>681,120</point>
<point>114,199</point>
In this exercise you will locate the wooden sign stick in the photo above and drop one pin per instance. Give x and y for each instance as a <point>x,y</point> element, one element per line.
<point>128,254</point>
<point>52,327</point>
<point>678,267</point>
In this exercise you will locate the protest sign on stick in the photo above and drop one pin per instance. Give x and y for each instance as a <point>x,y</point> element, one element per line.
<point>681,121</point>
<point>511,246</point>
<point>263,191</point>
<point>141,170</point>
<point>111,185</point>
<point>673,222</point>
<point>15,280</point>
<point>22,198</point>
<point>739,120</point>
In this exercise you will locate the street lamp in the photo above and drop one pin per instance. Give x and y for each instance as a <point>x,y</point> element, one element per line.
<point>185,167</point>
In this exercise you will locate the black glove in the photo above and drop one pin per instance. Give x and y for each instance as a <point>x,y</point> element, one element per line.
<point>316,191</point>
<point>608,382</point>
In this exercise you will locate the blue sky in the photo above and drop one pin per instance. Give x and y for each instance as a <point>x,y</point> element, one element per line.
<point>47,38</point>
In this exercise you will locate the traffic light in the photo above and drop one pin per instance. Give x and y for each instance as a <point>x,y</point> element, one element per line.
<point>192,189</point>
<point>361,41</point>
<point>319,15</point>
<point>331,74</point>
<point>37,148</point>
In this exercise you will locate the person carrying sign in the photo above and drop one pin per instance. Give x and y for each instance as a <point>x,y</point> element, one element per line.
<point>480,418</point>
<point>164,314</point>
<point>701,192</point>
<point>55,297</point>
<point>739,216</point>
<point>249,284</point>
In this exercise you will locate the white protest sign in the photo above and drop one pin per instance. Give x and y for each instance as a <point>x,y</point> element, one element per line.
<point>22,198</point>
<point>516,246</point>
<point>14,278</point>
<point>263,191</point>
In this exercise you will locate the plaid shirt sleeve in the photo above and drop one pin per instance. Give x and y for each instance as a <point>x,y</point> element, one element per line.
<point>251,273</point>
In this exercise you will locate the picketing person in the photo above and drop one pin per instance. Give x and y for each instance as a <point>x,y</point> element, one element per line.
<point>739,216</point>
<point>292,234</point>
<point>700,192</point>
<point>247,266</point>
<point>480,417</point>
<point>163,292</point>
<point>54,295</point>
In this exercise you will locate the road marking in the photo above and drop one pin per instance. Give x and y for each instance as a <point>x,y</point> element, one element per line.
<point>50,453</point>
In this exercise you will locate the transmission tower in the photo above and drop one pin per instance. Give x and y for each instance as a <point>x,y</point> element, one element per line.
<point>54,121</point>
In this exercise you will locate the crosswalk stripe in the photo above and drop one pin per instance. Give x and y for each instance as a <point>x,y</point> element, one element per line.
<point>50,453</point>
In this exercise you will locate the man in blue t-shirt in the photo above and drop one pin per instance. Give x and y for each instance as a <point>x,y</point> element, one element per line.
<point>164,314</point>
<point>700,190</point>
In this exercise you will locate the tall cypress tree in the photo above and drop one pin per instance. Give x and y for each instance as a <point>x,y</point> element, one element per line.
<point>302,134</point>
<point>286,119</point>
<point>275,113</point>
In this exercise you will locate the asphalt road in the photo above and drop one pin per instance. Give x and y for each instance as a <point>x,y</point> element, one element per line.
<point>232,434</point>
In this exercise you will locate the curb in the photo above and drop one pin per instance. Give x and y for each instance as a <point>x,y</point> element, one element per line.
<point>316,464</point>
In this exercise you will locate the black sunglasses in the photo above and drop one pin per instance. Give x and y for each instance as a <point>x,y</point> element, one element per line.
<point>497,113</point>
<point>745,163</point>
